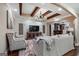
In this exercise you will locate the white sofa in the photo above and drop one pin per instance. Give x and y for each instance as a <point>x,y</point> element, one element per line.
<point>60,45</point>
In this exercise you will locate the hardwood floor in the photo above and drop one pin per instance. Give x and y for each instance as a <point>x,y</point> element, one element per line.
<point>13,53</point>
<point>71,53</point>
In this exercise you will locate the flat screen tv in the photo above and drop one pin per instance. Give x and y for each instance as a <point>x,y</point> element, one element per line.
<point>33,28</point>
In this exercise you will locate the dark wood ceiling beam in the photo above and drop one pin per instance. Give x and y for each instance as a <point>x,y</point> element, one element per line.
<point>47,12</point>
<point>36,9</point>
<point>20,8</point>
<point>54,15</point>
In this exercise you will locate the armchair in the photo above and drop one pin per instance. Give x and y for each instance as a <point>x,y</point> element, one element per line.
<point>14,43</point>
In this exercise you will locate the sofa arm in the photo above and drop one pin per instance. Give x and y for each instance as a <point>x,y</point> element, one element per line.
<point>18,39</point>
<point>18,45</point>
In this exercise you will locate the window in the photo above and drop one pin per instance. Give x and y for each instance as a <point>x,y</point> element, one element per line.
<point>20,29</point>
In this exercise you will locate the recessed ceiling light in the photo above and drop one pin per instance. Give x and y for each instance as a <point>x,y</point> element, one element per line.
<point>42,3</point>
<point>15,10</point>
<point>59,9</point>
<point>56,19</point>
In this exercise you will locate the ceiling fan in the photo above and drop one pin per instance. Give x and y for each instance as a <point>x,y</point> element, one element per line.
<point>40,18</point>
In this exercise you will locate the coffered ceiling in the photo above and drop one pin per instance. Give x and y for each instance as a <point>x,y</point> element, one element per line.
<point>49,11</point>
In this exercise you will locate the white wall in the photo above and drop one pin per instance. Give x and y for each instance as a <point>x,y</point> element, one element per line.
<point>2,28</point>
<point>16,24</point>
<point>76,22</point>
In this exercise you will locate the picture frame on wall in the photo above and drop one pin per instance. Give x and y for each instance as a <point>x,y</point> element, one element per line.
<point>9,21</point>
